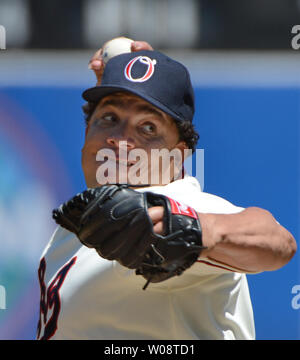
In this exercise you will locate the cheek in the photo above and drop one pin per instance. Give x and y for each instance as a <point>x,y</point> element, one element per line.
<point>164,166</point>
<point>159,142</point>
<point>167,139</point>
<point>91,146</point>
<point>87,161</point>
<point>91,132</point>
<point>94,140</point>
<point>154,145</point>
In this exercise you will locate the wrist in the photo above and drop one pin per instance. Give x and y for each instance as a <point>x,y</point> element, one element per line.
<point>211,231</point>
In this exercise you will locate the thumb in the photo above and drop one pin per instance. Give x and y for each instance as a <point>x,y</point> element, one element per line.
<point>97,65</point>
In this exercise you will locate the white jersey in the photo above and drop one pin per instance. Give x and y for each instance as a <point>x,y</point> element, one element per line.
<point>84,296</point>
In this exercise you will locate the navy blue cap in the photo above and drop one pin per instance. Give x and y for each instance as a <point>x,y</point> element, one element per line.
<point>151,75</point>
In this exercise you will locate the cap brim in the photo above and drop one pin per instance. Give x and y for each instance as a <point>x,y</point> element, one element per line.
<point>96,93</point>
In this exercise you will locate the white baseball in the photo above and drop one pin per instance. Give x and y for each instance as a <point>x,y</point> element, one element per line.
<point>114,47</point>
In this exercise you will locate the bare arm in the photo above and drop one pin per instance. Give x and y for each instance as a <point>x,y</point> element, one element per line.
<point>251,240</point>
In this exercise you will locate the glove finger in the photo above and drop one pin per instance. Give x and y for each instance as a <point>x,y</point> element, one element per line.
<point>132,259</point>
<point>103,232</point>
<point>99,197</point>
<point>109,246</point>
<point>98,216</point>
<point>132,252</point>
<point>77,204</point>
<point>119,243</point>
<point>64,220</point>
<point>137,253</point>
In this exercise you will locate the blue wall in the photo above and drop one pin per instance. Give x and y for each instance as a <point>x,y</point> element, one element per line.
<point>250,137</point>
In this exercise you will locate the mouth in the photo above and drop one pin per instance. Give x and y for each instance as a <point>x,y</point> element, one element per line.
<point>119,162</point>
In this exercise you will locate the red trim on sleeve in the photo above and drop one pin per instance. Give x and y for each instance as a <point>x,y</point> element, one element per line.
<point>218,266</point>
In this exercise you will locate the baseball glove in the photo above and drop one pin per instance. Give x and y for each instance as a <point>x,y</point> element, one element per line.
<point>113,219</point>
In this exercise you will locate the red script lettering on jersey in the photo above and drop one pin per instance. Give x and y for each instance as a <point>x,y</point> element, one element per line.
<point>50,299</point>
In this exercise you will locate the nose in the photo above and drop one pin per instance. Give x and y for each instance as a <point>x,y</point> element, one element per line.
<point>118,141</point>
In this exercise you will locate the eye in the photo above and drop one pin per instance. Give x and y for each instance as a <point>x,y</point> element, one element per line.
<point>106,120</point>
<point>149,128</point>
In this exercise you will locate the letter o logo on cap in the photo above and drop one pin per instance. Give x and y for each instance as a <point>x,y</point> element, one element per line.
<point>149,70</point>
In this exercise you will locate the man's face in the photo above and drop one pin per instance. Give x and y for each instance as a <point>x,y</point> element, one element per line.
<point>122,139</point>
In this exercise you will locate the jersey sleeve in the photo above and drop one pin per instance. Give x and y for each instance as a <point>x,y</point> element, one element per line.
<point>208,266</point>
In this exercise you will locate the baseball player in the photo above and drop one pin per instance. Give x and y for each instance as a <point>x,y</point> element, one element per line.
<point>150,260</point>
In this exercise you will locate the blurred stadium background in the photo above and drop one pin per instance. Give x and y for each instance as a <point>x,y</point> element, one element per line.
<point>247,84</point>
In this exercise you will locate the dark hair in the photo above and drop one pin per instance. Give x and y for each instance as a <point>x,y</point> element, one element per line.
<point>186,129</point>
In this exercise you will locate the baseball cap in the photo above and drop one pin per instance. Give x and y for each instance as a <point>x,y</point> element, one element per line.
<point>151,75</point>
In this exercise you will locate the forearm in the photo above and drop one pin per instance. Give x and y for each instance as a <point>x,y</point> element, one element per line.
<point>251,240</point>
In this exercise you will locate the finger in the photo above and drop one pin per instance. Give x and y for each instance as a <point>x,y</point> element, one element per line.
<point>97,65</point>
<point>159,228</point>
<point>99,74</point>
<point>156,214</point>
<point>96,56</point>
<point>140,45</point>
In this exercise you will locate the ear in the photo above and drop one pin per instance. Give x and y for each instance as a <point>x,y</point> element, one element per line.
<point>185,152</point>
<point>182,146</point>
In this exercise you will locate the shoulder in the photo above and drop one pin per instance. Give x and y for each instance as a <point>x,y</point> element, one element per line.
<point>61,242</point>
<point>188,191</point>
<point>209,203</point>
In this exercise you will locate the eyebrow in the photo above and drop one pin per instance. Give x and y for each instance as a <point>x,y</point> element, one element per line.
<point>145,108</point>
